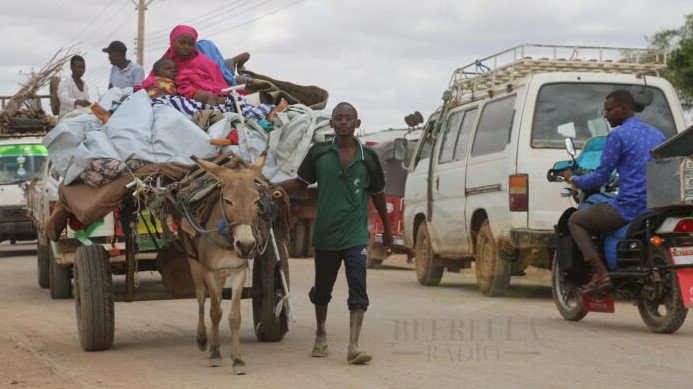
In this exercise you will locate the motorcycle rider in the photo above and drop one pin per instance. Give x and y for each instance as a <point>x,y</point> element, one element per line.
<point>626,150</point>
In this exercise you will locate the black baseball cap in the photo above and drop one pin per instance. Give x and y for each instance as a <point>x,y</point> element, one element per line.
<point>117,46</point>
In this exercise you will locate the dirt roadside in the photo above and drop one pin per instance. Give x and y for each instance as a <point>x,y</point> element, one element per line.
<point>443,337</point>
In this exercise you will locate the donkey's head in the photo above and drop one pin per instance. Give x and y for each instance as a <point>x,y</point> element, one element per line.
<point>238,203</point>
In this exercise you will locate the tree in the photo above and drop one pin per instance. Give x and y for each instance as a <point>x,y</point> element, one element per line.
<point>680,65</point>
<point>679,69</point>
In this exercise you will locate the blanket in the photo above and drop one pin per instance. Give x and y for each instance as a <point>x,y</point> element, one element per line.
<point>89,205</point>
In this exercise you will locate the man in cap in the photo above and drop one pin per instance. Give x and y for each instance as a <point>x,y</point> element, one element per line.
<point>124,72</point>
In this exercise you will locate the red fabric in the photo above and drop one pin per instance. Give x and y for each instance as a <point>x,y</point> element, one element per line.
<point>233,136</point>
<point>147,83</point>
<point>197,72</point>
<point>190,94</point>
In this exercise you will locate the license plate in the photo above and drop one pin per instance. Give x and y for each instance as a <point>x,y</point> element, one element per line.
<point>682,255</point>
<point>596,304</point>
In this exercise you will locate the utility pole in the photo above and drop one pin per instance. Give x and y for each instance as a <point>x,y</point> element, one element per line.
<point>141,7</point>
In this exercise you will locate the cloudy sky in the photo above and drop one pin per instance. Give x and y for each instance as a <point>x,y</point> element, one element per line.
<point>387,57</point>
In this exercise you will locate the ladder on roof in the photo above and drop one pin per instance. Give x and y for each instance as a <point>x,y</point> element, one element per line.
<point>503,70</point>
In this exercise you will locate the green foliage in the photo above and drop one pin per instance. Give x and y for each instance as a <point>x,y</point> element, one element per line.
<point>680,67</point>
<point>669,39</point>
<point>680,61</point>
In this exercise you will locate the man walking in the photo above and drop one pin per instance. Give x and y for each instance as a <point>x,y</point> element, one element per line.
<point>348,174</point>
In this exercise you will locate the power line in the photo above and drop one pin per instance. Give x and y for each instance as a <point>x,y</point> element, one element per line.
<point>256,19</point>
<point>242,12</point>
<point>92,20</point>
<point>99,72</point>
<point>114,31</point>
<point>164,40</point>
<point>101,26</point>
<point>164,32</point>
<point>162,46</point>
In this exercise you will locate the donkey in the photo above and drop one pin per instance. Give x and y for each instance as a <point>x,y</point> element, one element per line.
<point>222,245</point>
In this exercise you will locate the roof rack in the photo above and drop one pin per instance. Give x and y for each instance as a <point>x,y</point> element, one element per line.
<point>502,71</point>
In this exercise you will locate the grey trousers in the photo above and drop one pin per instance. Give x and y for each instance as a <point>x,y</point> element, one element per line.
<point>598,218</point>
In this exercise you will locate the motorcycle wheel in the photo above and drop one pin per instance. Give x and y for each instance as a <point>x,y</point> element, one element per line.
<point>660,304</point>
<point>565,295</point>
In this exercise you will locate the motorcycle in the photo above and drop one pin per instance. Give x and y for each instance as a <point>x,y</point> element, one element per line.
<point>648,259</point>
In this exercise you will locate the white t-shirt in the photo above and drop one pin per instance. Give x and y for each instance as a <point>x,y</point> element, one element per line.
<point>68,93</point>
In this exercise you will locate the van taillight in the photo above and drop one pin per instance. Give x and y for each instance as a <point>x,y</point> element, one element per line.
<point>684,225</point>
<point>518,192</point>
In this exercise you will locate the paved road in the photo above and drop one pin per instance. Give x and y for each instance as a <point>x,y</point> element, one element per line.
<point>440,337</point>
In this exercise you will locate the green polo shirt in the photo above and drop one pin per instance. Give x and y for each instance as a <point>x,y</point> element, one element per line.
<point>342,217</point>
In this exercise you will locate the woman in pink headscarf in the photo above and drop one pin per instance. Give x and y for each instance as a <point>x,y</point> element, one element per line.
<point>199,77</point>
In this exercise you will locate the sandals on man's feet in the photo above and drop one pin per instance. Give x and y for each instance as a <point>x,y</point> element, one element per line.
<point>319,350</point>
<point>597,283</point>
<point>359,358</point>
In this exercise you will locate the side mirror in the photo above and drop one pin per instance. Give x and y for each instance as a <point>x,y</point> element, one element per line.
<point>400,149</point>
<point>570,146</point>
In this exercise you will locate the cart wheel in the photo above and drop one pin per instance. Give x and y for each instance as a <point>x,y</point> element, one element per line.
<point>94,298</point>
<point>60,278</point>
<point>43,265</point>
<point>266,281</point>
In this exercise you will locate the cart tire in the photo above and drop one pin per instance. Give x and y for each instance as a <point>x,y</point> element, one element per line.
<point>43,265</point>
<point>60,278</point>
<point>298,240</point>
<point>492,272</point>
<point>94,298</point>
<point>266,281</point>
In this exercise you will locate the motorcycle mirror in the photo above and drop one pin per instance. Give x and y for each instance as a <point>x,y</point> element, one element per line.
<point>570,146</point>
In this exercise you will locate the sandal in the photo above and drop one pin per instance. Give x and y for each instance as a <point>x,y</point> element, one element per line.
<point>359,358</point>
<point>597,283</point>
<point>319,350</point>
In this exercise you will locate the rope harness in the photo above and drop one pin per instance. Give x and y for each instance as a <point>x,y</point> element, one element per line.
<point>221,235</point>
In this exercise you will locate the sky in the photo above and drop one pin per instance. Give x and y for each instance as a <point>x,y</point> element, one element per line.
<point>388,58</point>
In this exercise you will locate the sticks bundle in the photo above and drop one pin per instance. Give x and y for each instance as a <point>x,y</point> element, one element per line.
<point>37,80</point>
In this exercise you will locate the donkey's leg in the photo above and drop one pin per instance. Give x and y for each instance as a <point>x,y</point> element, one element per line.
<point>238,279</point>
<point>197,273</point>
<point>215,313</point>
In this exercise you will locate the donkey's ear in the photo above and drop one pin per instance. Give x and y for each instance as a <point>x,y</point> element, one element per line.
<point>259,162</point>
<point>209,167</point>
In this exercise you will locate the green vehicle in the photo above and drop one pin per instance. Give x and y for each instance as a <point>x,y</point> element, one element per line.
<point>20,160</point>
